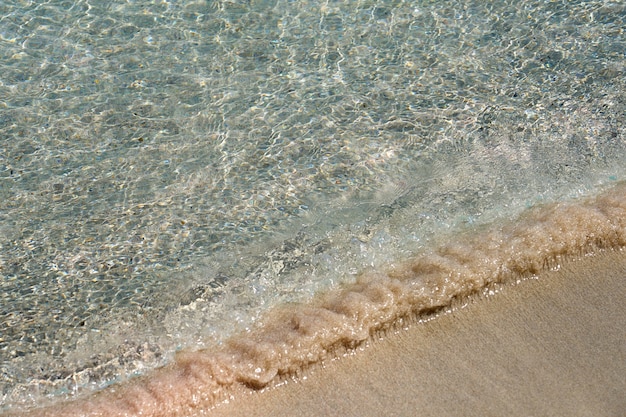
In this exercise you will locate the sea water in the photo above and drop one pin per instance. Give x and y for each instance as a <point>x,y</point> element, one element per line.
<point>170,171</point>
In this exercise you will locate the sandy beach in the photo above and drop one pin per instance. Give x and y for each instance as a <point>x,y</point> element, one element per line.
<point>550,346</point>
<point>302,208</point>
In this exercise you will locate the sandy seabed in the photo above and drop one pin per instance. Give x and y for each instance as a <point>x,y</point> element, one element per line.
<point>550,346</point>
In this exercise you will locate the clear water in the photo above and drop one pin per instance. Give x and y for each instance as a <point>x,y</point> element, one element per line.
<point>170,170</point>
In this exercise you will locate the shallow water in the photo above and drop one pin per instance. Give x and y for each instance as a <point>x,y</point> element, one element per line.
<point>169,171</point>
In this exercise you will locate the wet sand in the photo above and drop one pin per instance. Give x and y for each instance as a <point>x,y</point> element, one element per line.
<point>550,346</point>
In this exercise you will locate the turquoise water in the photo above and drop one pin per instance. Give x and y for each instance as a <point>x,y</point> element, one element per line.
<point>170,170</point>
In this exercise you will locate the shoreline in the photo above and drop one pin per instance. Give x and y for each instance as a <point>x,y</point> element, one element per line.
<point>547,346</point>
<point>294,338</point>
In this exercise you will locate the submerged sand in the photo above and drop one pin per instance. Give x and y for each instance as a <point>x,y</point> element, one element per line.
<point>551,346</point>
